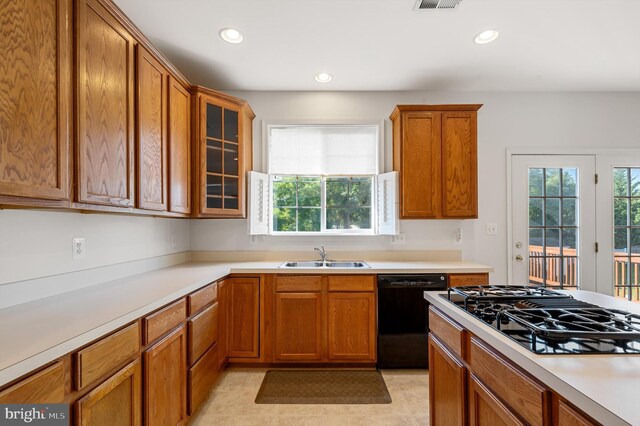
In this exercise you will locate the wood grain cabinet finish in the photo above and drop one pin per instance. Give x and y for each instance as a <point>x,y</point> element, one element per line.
<point>44,387</point>
<point>201,378</point>
<point>435,152</point>
<point>457,280</point>
<point>524,396</point>
<point>164,320</point>
<point>202,332</point>
<point>105,107</point>
<point>566,415</point>
<point>447,386</point>
<point>203,297</point>
<point>359,283</point>
<point>486,409</point>
<point>117,401</point>
<point>105,355</point>
<point>222,153</point>
<point>165,380</point>
<point>223,323</point>
<point>449,332</point>
<point>244,316</point>
<point>351,326</point>
<point>35,99</point>
<point>151,153</point>
<point>298,327</point>
<point>179,110</point>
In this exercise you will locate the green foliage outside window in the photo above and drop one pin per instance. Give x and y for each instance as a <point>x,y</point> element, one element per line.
<point>297,203</point>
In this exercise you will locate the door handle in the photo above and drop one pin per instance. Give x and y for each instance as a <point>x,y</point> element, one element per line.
<point>519,258</point>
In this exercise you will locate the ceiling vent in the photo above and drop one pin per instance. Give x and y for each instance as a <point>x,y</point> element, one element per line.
<point>436,4</point>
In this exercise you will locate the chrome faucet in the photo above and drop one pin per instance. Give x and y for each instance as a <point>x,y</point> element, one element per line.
<point>322,252</point>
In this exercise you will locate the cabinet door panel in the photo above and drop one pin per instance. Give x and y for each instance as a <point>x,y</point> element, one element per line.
<point>223,323</point>
<point>298,326</point>
<point>43,387</point>
<point>352,326</point>
<point>104,111</point>
<point>152,134</point>
<point>447,386</point>
<point>459,165</point>
<point>117,401</point>
<point>35,98</point>
<point>244,317</point>
<point>485,409</point>
<point>179,148</point>
<point>420,175</point>
<point>165,381</point>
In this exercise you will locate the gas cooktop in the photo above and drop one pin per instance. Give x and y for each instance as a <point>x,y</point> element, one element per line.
<point>549,322</point>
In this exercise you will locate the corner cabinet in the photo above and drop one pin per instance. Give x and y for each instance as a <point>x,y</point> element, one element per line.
<point>435,153</point>
<point>222,153</point>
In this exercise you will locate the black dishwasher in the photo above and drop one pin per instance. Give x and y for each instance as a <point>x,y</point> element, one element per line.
<point>403,319</point>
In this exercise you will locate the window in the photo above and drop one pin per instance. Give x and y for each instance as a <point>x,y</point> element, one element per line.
<point>626,232</point>
<point>322,179</point>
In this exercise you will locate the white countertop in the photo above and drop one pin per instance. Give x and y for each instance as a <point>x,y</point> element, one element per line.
<point>603,386</point>
<point>35,333</point>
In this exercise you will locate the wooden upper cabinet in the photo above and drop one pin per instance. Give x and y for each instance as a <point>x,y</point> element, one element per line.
<point>35,98</point>
<point>459,164</point>
<point>105,107</point>
<point>151,153</point>
<point>435,152</point>
<point>179,148</point>
<point>222,153</point>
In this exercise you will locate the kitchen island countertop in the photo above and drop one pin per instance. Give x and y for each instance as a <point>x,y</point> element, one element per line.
<point>603,386</point>
<point>35,333</point>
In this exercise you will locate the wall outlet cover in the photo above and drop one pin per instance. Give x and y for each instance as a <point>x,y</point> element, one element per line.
<point>79,249</point>
<point>398,239</point>
<point>492,229</point>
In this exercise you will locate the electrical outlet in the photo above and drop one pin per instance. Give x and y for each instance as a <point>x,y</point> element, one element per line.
<point>397,239</point>
<point>492,229</point>
<point>253,240</point>
<point>173,240</point>
<point>78,249</point>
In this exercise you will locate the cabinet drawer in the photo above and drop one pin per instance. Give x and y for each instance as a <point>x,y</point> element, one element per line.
<point>298,283</point>
<point>106,354</point>
<point>522,394</point>
<point>352,283</point>
<point>161,322</point>
<point>457,280</point>
<point>448,332</point>
<point>201,298</point>
<point>202,332</point>
<point>201,378</point>
<point>44,387</point>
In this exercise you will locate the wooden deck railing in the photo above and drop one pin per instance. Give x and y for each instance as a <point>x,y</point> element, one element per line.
<point>568,266</point>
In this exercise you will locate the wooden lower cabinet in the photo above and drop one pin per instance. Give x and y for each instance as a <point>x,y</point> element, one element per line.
<point>352,326</point>
<point>298,327</point>
<point>165,381</point>
<point>485,409</point>
<point>201,378</point>
<point>223,323</point>
<point>44,387</point>
<point>117,401</point>
<point>447,386</point>
<point>244,316</point>
<point>457,280</point>
<point>566,415</point>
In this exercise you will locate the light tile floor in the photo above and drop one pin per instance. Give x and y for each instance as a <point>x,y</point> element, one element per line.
<point>231,402</point>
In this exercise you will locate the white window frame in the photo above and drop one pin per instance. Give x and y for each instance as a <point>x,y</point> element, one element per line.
<point>267,124</point>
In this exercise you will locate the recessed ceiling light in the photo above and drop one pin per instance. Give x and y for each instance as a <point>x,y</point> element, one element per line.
<point>486,36</point>
<point>231,35</point>
<point>323,77</point>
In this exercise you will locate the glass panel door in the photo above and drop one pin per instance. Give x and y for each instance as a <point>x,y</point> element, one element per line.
<point>553,221</point>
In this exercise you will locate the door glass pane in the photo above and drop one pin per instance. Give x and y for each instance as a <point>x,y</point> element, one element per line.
<point>214,185</point>
<point>214,121</point>
<point>553,227</point>
<point>214,202</point>
<point>230,125</point>
<point>626,232</point>
<point>230,187</point>
<point>230,159</point>
<point>231,203</point>
<point>214,157</point>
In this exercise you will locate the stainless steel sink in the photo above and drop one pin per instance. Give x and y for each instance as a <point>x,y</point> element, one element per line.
<point>327,264</point>
<point>347,265</point>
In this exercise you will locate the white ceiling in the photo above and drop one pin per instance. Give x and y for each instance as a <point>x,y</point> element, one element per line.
<point>545,45</point>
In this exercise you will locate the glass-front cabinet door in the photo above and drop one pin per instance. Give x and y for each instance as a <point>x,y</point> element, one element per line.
<point>225,156</point>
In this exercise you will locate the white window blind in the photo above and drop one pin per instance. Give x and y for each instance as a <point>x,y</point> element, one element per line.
<point>323,150</point>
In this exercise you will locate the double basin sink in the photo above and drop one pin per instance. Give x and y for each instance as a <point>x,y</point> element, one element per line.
<point>326,264</point>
